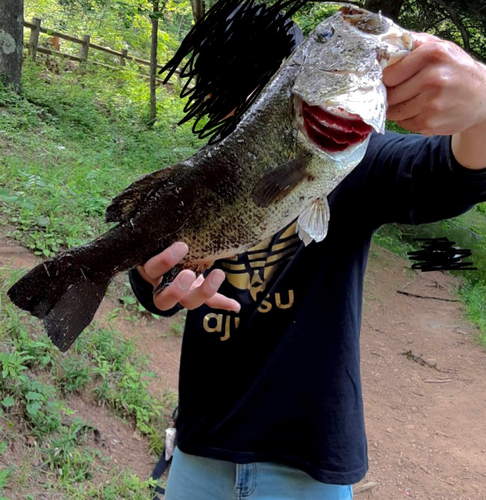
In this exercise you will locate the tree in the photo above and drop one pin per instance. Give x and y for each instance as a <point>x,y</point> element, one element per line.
<point>461,22</point>
<point>11,42</point>
<point>197,9</point>
<point>153,61</point>
<point>389,8</point>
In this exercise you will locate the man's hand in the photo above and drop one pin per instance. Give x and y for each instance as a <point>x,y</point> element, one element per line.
<point>438,89</point>
<point>186,289</point>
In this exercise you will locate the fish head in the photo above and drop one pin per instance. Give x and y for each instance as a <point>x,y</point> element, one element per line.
<point>339,96</point>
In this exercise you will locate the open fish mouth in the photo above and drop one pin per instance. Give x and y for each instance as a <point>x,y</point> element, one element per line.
<point>333,130</point>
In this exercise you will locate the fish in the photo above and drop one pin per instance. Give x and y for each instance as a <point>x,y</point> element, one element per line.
<point>308,129</point>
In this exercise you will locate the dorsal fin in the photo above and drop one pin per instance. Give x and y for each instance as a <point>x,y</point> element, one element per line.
<point>124,206</point>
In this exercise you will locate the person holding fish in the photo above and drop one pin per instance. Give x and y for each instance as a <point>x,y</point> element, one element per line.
<point>280,426</point>
<point>280,218</point>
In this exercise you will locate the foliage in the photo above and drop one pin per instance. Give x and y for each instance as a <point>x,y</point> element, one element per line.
<point>97,140</point>
<point>312,14</point>
<point>126,486</point>
<point>69,144</point>
<point>34,380</point>
<point>119,24</point>
<point>474,295</point>
<point>123,383</point>
<point>391,237</point>
<point>461,22</point>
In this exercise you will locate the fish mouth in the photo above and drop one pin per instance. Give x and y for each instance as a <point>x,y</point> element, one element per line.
<point>333,130</point>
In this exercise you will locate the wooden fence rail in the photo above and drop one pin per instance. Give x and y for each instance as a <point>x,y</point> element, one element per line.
<point>86,44</point>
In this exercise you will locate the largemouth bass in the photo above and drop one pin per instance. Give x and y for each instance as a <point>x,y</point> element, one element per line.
<point>303,135</point>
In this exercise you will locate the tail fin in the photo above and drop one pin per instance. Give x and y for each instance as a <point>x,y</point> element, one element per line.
<point>64,293</point>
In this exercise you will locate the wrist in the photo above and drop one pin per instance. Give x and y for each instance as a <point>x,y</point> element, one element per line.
<point>480,104</point>
<point>144,275</point>
<point>469,146</point>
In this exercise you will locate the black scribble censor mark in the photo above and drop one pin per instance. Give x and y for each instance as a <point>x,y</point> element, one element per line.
<point>440,254</point>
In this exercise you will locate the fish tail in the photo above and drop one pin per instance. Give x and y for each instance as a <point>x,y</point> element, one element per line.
<point>65,292</point>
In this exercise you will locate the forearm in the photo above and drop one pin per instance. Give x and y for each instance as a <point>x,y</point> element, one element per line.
<point>469,147</point>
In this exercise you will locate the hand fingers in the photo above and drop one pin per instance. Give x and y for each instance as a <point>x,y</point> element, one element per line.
<point>157,266</point>
<point>425,53</point>
<point>197,296</point>
<point>198,281</point>
<point>175,293</point>
<point>421,38</point>
<point>192,293</point>
<point>416,125</point>
<point>401,71</point>
<point>405,91</point>
<point>407,109</point>
<point>218,301</point>
<point>204,291</point>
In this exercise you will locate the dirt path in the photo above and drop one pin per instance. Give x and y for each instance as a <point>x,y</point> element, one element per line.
<point>424,410</point>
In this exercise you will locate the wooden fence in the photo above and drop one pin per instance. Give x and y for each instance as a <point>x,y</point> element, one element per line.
<point>86,45</point>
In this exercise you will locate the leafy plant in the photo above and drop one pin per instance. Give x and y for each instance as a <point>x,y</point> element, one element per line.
<point>34,377</point>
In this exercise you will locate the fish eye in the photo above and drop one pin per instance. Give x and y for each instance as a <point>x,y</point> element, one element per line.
<point>325,34</point>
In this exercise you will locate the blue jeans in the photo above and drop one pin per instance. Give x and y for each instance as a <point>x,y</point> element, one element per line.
<point>198,478</point>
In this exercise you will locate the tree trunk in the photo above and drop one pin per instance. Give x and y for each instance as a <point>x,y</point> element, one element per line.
<point>457,21</point>
<point>389,8</point>
<point>153,62</point>
<point>11,42</point>
<point>197,9</point>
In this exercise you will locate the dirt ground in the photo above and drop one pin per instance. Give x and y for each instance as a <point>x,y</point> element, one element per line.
<point>424,378</point>
<point>425,410</point>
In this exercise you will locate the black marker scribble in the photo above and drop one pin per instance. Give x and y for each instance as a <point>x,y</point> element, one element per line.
<point>233,52</point>
<point>440,254</point>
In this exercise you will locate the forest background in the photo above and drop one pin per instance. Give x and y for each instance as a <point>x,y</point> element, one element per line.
<point>70,139</point>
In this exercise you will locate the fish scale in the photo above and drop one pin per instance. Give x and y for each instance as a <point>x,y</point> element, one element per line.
<point>232,195</point>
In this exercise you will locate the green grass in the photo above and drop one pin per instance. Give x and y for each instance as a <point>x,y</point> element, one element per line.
<point>70,146</point>
<point>123,486</point>
<point>67,146</point>
<point>474,296</point>
<point>35,380</point>
<point>390,236</point>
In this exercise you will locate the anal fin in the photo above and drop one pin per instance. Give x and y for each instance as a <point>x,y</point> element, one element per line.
<point>313,222</point>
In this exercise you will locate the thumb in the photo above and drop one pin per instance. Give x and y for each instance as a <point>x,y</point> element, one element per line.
<point>423,38</point>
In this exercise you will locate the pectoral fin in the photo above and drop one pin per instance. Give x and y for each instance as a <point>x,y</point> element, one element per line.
<point>313,222</point>
<point>281,181</point>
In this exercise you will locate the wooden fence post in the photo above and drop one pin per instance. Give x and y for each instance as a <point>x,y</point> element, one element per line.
<point>83,53</point>
<point>34,37</point>
<point>123,56</point>
<point>85,42</point>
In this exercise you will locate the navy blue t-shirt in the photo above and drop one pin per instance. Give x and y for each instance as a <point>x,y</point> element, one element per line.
<point>280,381</point>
